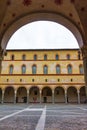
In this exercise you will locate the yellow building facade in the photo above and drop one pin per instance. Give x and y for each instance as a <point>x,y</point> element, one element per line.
<point>42,76</point>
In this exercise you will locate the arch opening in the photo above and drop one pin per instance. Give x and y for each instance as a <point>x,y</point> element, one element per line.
<point>9,95</point>
<point>72,95</point>
<point>47,16</point>
<point>59,95</point>
<point>21,95</point>
<point>46,95</point>
<point>34,94</point>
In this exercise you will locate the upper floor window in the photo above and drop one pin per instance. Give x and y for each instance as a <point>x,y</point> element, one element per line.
<point>35,57</point>
<point>69,69</point>
<point>58,69</point>
<point>24,57</point>
<point>12,57</point>
<point>81,69</point>
<point>57,57</point>
<point>45,69</point>
<point>34,69</point>
<point>23,69</point>
<point>11,69</point>
<point>68,56</point>
<point>45,57</point>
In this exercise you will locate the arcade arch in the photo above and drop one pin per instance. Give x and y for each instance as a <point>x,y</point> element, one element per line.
<point>59,95</point>
<point>38,16</point>
<point>47,95</point>
<point>34,94</point>
<point>9,95</point>
<point>82,94</point>
<point>21,95</point>
<point>72,96</point>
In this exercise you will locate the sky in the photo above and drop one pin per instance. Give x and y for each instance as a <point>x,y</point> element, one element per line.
<point>42,35</point>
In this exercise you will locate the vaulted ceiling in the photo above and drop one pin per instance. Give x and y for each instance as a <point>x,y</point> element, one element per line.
<point>16,13</point>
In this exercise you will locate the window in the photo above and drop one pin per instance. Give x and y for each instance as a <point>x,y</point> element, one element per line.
<point>23,57</point>
<point>23,69</point>
<point>35,57</point>
<point>12,57</point>
<point>68,56</point>
<point>45,69</point>
<point>45,57</point>
<point>11,69</point>
<point>81,70</point>
<point>34,69</point>
<point>58,69</point>
<point>57,57</point>
<point>69,67</point>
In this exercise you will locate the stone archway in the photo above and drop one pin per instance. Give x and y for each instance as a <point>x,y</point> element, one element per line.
<point>38,16</point>
<point>21,95</point>
<point>9,95</point>
<point>72,95</point>
<point>46,95</point>
<point>0,95</point>
<point>82,94</point>
<point>34,94</point>
<point>59,95</point>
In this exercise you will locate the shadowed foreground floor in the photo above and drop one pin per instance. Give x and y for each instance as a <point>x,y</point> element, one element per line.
<point>43,117</point>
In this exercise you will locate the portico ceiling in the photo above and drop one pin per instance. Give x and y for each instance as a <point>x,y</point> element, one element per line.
<point>11,11</point>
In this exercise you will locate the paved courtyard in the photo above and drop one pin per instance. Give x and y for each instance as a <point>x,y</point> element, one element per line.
<point>43,117</point>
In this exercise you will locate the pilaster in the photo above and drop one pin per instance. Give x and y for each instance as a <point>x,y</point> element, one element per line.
<point>84,55</point>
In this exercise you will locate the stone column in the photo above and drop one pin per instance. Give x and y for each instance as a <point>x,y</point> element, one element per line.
<point>27,96</point>
<point>84,55</point>
<point>40,96</point>
<point>3,96</point>
<point>53,96</point>
<point>15,95</point>
<point>66,98</point>
<point>1,58</point>
<point>78,93</point>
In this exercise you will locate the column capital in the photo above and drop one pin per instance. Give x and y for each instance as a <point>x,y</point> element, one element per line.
<point>84,51</point>
<point>52,90</point>
<point>78,91</point>
<point>40,91</point>
<point>65,91</point>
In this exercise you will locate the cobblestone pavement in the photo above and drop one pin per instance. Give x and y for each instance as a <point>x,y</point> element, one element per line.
<point>43,117</point>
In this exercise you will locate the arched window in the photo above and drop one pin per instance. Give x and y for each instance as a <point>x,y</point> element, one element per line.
<point>35,57</point>
<point>68,56</point>
<point>45,57</point>
<point>34,69</point>
<point>45,69</point>
<point>24,57</point>
<point>12,57</point>
<point>69,69</point>
<point>58,69</point>
<point>11,69</point>
<point>81,69</point>
<point>23,69</point>
<point>57,57</point>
